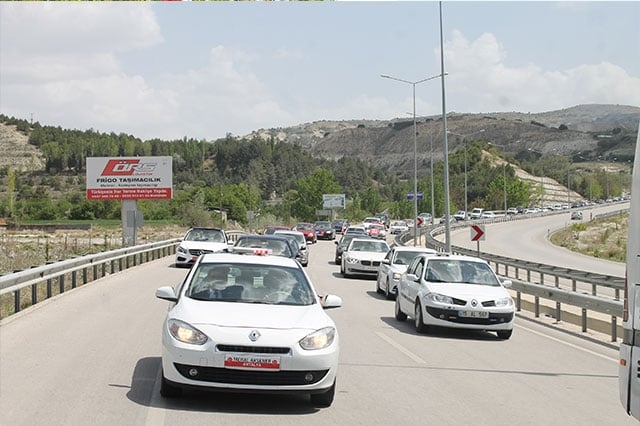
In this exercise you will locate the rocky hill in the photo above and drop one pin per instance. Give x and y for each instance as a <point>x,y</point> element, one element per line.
<point>389,144</point>
<point>15,151</point>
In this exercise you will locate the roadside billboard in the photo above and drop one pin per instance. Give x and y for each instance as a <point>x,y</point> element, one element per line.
<point>333,201</point>
<point>129,178</point>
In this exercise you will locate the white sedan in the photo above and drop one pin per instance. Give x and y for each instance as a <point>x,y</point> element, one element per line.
<point>198,241</point>
<point>363,256</point>
<point>249,323</point>
<point>394,265</point>
<point>454,291</point>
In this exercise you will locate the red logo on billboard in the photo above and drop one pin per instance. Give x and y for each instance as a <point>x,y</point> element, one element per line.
<point>127,167</point>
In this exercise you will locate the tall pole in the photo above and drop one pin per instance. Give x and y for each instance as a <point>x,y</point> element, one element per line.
<point>465,178</point>
<point>433,209</point>
<point>504,179</point>
<point>415,151</point>
<point>447,225</point>
<point>415,171</point>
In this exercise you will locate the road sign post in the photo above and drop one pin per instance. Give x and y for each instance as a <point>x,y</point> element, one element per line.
<point>477,234</point>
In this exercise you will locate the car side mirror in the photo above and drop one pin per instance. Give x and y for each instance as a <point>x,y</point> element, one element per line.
<point>386,261</point>
<point>167,293</point>
<point>506,283</point>
<point>331,301</point>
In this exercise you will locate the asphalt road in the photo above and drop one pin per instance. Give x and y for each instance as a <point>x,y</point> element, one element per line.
<point>91,357</point>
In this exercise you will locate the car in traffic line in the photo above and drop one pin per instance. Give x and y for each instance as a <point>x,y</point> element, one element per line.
<point>248,323</point>
<point>342,245</point>
<point>394,265</point>
<point>454,291</point>
<point>277,245</point>
<point>377,231</point>
<point>300,239</point>
<point>363,256</point>
<point>308,230</point>
<point>324,230</point>
<point>398,227</point>
<point>340,225</point>
<point>198,241</point>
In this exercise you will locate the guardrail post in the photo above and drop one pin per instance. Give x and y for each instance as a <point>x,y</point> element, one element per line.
<point>536,307</point>
<point>104,269</point>
<point>61,283</point>
<point>584,320</point>
<point>74,279</point>
<point>573,285</point>
<point>519,301</point>
<point>85,278</point>
<point>16,299</point>
<point>614,329</point>
<point>95,272</point>
<point>49,289</point>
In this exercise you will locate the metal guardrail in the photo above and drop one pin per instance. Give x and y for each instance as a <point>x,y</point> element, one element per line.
<point>544,289</point>
<point>44,282</point>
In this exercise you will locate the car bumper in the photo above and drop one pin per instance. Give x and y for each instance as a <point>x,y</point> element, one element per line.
<point>359,268</point>
<point>497,319</point>
<point>204,367</point>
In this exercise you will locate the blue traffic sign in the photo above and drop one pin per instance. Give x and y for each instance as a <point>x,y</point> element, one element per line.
<point>410,196</point>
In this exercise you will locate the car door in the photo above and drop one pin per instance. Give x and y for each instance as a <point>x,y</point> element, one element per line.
<point>383,270</point>
<point>408,287</point>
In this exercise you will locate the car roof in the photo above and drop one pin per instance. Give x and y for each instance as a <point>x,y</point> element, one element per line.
<point>442,255</point>
<point>411,248</point>
<point>211,258</point>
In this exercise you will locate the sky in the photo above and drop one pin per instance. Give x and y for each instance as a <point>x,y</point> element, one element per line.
<point>173,70</point>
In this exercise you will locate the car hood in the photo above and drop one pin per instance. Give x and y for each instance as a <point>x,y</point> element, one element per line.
<point>203,245</point>
<point>369,255</point>
<point>467,291</point>
<point>205,314</point>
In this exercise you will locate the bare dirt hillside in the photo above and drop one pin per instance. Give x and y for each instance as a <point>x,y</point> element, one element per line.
<point>16,152</point>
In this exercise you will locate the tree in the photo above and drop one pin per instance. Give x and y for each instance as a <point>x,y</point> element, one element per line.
<point>310,191</point>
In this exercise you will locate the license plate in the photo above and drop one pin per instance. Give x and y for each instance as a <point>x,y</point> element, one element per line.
<point>473,314</point>
<point>252,362</point>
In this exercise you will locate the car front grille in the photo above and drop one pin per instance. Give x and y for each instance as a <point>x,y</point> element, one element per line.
<point>452,316</point>
<point>369,263</point>
<point>250,377</point>
<point>199,252</point>
<point>253,349</point>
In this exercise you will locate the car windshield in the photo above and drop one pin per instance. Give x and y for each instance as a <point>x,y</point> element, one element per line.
<point>373,246</point>
<point>460,271</point>
<point>209,235</point>
<point>303,226</point>
<point>299,237</point>
<point>249,283</point>
<point>277,247</point>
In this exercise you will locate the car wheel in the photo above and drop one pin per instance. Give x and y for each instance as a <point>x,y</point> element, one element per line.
<point>388,293</point>
<point>168,390</point>
<point>504,334</point>
<point>421,327</point>
<point>337,261</point>
<point>400,316</point>
<point>324,399</point>
<point>342,268</point>
<point>378,289</point>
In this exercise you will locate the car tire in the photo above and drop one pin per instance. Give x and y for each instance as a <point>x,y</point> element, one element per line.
<point>378,289</point>
<point>504,334</point>
<point>400,316</point>
<point>388,293</point>
<point>168,390</point>
<point>421,327</point>
<point>324,399</point>
<point>336,261</point>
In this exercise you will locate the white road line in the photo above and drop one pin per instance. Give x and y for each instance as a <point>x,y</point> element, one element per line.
<point>608,358</point>
<point>401,348</point>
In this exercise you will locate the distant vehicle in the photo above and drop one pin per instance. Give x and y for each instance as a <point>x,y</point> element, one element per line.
<point>308,230</point>
<point>576,215</point>
<point>512,210</point>
<point>360,230</point>
<point>398,227</point>
<point>377,231</point>
<point>394,265</point>
<point>198,241</point>
<point>454,291</point>
<point>268,230</point>
<point>628,379</point>
<point>369,220</point>
<point>246,323</point>
<point>384,218</point>
<point>363,256</point>
<point>343,244</point>
<point>487,214</point>
<point>324,230</point>
<point>340,225</point>
<point>460,215</point>
<point>426,219</point>
<point>443,220</point>
<point>476,213</point>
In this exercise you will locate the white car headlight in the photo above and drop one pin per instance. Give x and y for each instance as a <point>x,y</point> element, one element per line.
<point>396,276</point>
<point>439,298</point>
<point>181,249</point>
<point>351,260</point>
<point>319,339</point>
<point>185,333</point>
<point>505,301</point>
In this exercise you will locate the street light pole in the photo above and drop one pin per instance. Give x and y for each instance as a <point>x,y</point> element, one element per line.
<point>415,151</point>
<point>464,140</point>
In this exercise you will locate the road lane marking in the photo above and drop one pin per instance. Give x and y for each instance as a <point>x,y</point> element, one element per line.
<point>608,358</point>
<point>401,348</point>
